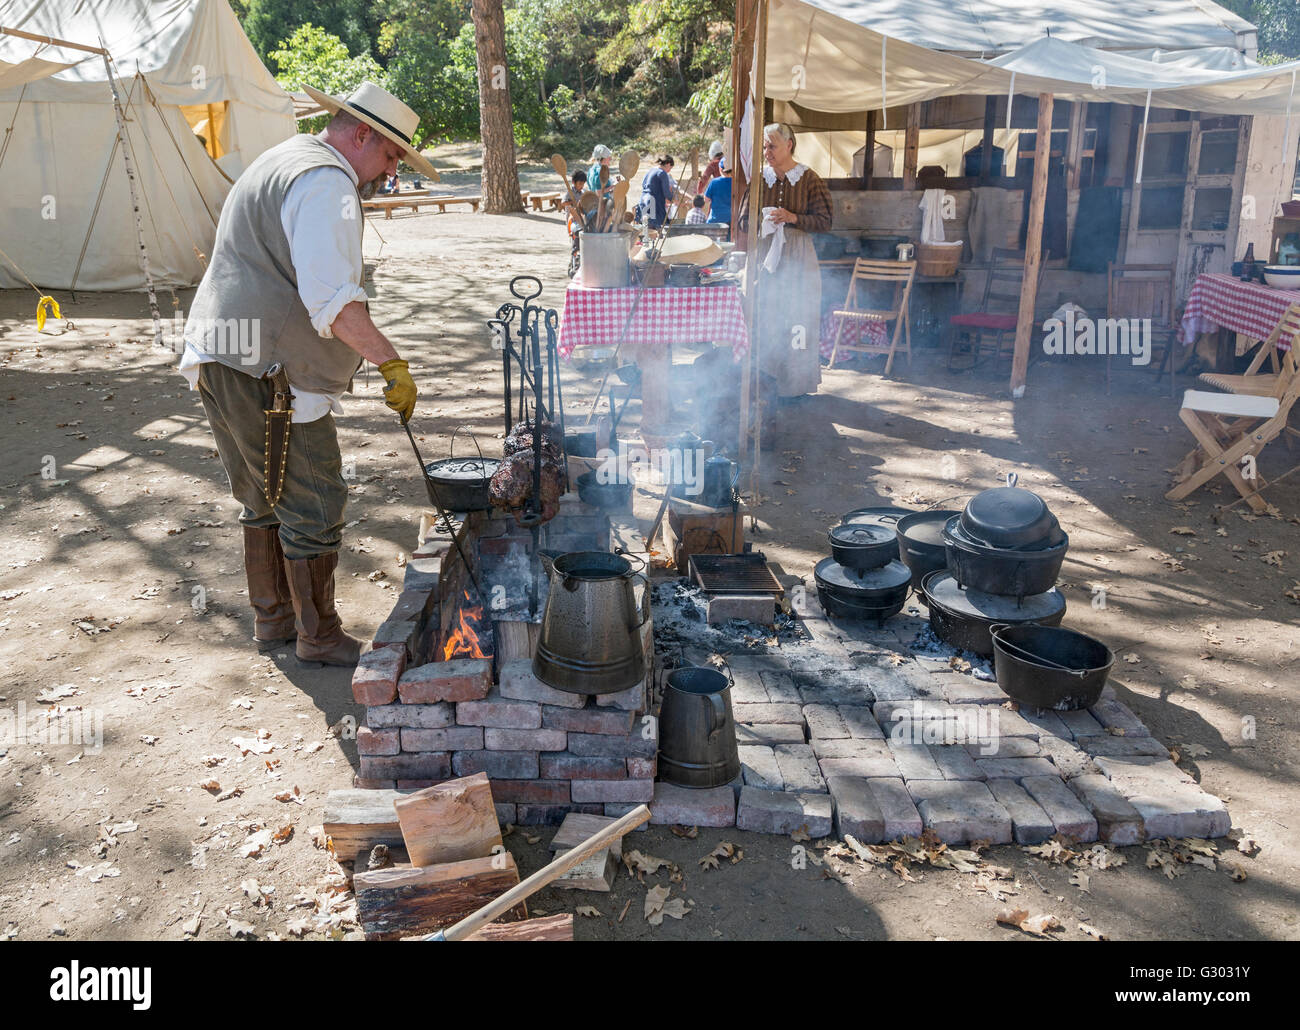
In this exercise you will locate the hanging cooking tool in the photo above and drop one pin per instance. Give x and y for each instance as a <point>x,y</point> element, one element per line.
<point>1008,516</point>
<point>1050,667</point>
<point>552,321</point>
<point>590,640</point>
<point>862,547</point>
<point>443,517</point>
<point>963,618</point>
<point>461,483</point>
<point>1003,570</point>
<point>920,541</point>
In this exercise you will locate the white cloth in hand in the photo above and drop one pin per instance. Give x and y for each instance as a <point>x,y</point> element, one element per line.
<point>768,228</point>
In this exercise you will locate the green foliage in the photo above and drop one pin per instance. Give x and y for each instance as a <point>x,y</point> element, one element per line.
<point>269,23</point>
<point>1278,22</point>
<point>314,57</point>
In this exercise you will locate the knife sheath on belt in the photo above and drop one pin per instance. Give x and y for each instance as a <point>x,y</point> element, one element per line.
<point>278,419</point>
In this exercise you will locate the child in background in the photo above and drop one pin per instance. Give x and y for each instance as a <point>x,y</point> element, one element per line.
<point>696,215</point>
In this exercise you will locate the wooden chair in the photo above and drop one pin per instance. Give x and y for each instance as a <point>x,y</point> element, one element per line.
<point>898,275</point>
<point>1229,428</point>
<point>998,312</point>
<point>1255,383</point>
<point>1144,292</point>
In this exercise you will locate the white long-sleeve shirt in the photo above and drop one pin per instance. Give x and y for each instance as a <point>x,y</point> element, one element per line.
<point>327,262</point>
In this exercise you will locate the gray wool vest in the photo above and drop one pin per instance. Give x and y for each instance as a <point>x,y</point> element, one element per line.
<point>247,313</point>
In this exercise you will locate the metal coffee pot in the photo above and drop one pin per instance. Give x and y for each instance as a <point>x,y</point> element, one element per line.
<point>590,641</point>
<point>697,732</point>
<point>720,474</point>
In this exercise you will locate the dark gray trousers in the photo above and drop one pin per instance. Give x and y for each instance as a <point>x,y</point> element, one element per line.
<point>310,510</point>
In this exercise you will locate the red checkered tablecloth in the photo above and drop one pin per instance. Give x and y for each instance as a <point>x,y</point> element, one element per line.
<point>666,314</point>
<point>1223,302</point>
<point>858,332</point>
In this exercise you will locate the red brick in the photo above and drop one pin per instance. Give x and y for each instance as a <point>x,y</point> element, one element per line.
<point>674,805</point>
<point>613,790</point>
<point>365,784</point>
<point>553,815</point>
<point>571,767</point>
<point>463,679</point>
<point>600,745</point>
<point>588,720</point>
<point>531,792</point>
<point>378,742</point>
<point>519,684</point>
<point>506,813</point>
<point>502,715</point>
<point>430,765</point>
<point>511,765</point>
<point>642,768</point>
<point>412,605</point>
<point>374,682</point>
<point>450,738</point>
<point>524,740</point>
<point>423,716</point>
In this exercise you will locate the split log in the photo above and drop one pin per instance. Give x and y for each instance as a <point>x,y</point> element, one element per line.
<point>356,820</point>
<point>392,903</point>
<point>449,822</point>
<point>592,874</point>
<point>545,928</point>
<point>578,826</point>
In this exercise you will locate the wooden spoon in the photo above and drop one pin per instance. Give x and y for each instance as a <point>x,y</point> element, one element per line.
<point>562,169</point>
<point>588,203</point>
<point>628,162</point>
<point>616,204</point>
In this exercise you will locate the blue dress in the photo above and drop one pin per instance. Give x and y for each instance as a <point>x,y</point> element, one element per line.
<point>656,190</point>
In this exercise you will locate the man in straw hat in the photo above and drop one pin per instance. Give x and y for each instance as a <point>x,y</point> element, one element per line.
<point>277,330</point>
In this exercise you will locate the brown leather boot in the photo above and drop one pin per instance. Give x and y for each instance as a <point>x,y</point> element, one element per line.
<point>320,631</point>
<point>268,589</point>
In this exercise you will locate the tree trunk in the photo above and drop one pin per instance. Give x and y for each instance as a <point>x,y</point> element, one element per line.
<point>496,122</point>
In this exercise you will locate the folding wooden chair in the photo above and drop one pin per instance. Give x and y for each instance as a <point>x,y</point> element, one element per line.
<point>998,312</point>
<point>1229,428</point>
<point>899,276</point>
<point>1144,292</point>
<point>1263,384</point>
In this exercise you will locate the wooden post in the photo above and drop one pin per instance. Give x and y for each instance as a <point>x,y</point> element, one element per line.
<point>911,146</point>
<point>759,76</point>
<point>869,155</point>
<point>1033,246</point>
<point>740,57</point>
<point>986,141</point>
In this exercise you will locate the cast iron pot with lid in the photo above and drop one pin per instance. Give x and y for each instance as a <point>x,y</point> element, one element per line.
<point>849,594</point>
<point>882,516</point>
<point>863,546</point>
<point>460,484</point>
<point>1008,516</point>
<point>963,618</point>
<point>1050,667</point>
<point>1017,572</point>
<point>920,541</point>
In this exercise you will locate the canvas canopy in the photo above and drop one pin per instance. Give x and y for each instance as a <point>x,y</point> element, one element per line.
<point>826,63</point>
<point>182,67</point>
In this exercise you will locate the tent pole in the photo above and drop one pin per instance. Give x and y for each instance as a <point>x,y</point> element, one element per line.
<point>1033,246</point>
<point>51,40</point>
<point>135,203</point>
<point>758,79</point>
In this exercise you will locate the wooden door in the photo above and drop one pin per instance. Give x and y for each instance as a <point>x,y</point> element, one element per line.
<point>1212,202</point>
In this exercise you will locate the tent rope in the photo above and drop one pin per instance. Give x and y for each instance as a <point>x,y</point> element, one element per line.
<point>184,164</point>
<point>1142,150</point>
<point>9,132</point>
<point>1011,99</point>
<point>143,254</point>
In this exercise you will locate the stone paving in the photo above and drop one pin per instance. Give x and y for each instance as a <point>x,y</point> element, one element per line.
<point>851,733</point>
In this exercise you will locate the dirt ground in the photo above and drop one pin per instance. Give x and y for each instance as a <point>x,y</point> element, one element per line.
<point>122,598</point>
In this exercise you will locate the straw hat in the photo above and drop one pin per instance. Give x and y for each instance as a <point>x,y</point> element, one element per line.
<point>384,113</point>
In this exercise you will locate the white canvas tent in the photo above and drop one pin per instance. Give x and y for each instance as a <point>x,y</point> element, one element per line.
<point>182,67</point>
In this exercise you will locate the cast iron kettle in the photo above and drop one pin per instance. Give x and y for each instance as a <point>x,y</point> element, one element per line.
<point>591,629</point>
<point>697,732</point>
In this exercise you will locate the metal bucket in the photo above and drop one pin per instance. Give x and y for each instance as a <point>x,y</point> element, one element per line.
<point>697,733</point>
<point>605,263</point>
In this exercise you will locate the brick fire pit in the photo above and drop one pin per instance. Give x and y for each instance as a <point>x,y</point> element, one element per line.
<point>449,689</point>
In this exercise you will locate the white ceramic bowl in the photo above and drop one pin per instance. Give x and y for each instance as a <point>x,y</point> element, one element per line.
<point>1282,277</point>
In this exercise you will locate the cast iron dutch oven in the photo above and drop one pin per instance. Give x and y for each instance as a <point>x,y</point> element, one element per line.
<point>882,516</point>
<point>459,484</point>
<point>963,618</point>
<point>603,495</point>
<point>1007,516</point>
<point>863,547</point>
<point>1017,572</point>
<point>1050,667</point>
<point>920,541</point>
<point>850,594</point>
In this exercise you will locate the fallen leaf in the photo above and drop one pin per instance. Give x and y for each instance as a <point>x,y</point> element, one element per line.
<point>1092,932</point>
<point>587,912</point>
<point>687,832</point>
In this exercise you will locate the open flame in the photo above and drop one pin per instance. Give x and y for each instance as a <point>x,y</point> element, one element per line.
<point>463,639</point>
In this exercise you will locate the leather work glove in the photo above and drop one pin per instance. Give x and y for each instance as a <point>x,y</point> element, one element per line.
<point>400,392</point>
